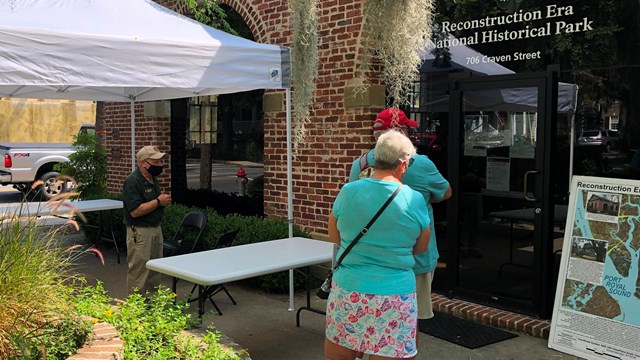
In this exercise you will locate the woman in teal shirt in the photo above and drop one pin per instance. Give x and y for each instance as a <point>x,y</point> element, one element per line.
<point>372,306</point>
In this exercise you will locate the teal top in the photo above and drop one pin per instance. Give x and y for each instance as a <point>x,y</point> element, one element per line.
<point>424,177</point>
<point>381,262</point>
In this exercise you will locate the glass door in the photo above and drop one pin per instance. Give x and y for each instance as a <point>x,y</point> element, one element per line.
<point>501,157</point>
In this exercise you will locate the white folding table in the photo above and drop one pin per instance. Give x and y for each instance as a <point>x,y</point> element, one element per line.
<point>54,207</point>
<point>60,209</point>
<point>214,267</point>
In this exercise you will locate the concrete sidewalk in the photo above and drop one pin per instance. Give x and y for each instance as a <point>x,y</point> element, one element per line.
<point>262,325</point>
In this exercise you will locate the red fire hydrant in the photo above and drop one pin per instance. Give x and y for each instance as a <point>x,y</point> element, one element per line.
<point>241,180</point>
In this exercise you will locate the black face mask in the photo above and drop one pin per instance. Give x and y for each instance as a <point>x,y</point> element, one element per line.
<point>154,170</point>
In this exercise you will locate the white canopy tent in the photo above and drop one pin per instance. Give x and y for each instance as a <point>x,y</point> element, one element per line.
<point>130,50</point>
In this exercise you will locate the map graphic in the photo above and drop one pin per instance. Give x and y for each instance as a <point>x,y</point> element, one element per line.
<point>606,235</point>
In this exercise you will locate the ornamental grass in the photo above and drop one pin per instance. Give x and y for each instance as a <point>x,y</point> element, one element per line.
<point>36,320</point>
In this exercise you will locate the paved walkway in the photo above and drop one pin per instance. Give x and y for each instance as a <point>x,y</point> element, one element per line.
<point>262,324</point>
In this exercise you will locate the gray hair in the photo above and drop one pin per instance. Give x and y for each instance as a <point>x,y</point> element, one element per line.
<point>392,147</point>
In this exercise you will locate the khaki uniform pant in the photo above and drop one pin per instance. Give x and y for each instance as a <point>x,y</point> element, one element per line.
<point>423,292</point>
<point>143,244</point>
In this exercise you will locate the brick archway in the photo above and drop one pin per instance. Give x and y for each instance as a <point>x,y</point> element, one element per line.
<point>268,20</point>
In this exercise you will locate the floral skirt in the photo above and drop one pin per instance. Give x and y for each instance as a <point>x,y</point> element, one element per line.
<point>384,325</point>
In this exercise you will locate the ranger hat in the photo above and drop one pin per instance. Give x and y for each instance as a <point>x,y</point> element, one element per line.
<point>149,152</point>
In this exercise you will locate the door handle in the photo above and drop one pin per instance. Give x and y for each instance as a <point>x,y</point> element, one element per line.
<point>526,184</point>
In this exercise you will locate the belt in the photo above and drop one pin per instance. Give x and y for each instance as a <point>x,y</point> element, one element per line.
<point>145,225</point>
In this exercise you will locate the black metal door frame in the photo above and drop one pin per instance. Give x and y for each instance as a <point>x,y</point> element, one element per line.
<point>547,85</point>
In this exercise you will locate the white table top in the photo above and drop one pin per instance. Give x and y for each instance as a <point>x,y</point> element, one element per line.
<point>245,261</point>
<point>54,208</point>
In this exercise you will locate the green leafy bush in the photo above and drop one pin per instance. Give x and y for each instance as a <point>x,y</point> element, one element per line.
<point>152,328</point>
<point>255,187</point>
<point>59,339</point>
<point>87,166</point>
<point>223,203</point>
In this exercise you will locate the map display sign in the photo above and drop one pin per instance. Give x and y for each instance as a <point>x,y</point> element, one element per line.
<point>597,306</point>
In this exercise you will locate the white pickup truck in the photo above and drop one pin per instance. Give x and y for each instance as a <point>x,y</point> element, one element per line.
<point>24,163</point>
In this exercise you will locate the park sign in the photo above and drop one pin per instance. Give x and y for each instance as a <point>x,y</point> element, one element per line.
<point>597,305</point>
<point>551,20</point>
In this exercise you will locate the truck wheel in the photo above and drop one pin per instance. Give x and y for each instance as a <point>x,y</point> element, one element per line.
<point>51,186</point>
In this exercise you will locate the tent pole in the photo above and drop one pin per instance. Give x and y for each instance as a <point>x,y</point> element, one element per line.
<point>572,133</point>
<point>289,166</point>
<point>133,133</point>
<point>289,192</point>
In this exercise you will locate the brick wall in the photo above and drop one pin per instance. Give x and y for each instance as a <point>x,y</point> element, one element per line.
<point>336,135</point>
<point>149,131</point>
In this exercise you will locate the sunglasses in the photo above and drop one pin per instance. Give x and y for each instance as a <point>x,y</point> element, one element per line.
<point>409,162</point>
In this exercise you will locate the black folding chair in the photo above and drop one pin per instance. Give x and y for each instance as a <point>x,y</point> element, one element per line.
<point>225,240</point>
<point>186,238</point>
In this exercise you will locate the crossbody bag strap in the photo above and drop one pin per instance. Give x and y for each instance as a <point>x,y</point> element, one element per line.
<point>363,161</point>
<point>366,228</point>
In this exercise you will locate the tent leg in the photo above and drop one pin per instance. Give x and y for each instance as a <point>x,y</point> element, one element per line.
<point>289,192</point>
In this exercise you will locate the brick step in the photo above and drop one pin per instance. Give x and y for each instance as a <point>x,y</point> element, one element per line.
<point>105,344</point>
<point>491,316</point>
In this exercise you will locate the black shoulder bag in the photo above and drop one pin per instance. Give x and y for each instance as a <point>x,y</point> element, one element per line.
<point>323,292</point>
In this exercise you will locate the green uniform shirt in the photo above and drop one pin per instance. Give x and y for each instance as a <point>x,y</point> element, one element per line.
<point>138,190</point>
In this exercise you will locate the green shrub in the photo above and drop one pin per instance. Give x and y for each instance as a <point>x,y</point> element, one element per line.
<point>93,301</point>
<point>223,203</point>
<point>87,165</point>
<point>149,329</point>
<point>58,339</point>
<point>152,328</point>
<point>255,187</point>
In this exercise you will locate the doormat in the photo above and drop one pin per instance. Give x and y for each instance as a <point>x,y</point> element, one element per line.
<point>462,332</point>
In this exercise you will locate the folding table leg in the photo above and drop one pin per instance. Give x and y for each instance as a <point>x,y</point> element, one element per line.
<point>229,295</point>
<point>200,301</point>
<point>307,274</point>
<point>113,236</point>
<point>215,306</point>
